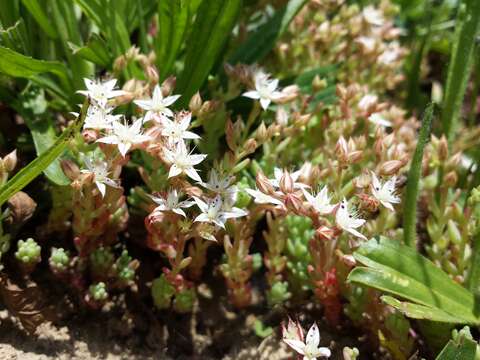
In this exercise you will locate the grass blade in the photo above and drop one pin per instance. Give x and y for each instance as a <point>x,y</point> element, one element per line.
<point>410,207</point>
<point>213,25</point>
<point>260,42</point>
<point>36,9</point>
<point>173,20</point>
<point>468,22</point>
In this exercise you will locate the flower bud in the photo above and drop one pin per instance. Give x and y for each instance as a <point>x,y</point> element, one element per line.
<point>354,156</point>
<point>21,207</point>
<point>250,146</point>
<point>195,103</point>
<point>70,169</point>
<point>286,183</point>
<point>325,233</point>
<point>341,149</point>
<point>263,184</point>
<point>184,263</point>
<point>443,148</point>
<point>10,161</point>
<point>450,179</point>
<point>168,85</point>
<point>230,135</point>
<point>261,134</point>
<point>318,84</point>
<point>391,167</point>
<point>152,74</point>
<point>294,203</point>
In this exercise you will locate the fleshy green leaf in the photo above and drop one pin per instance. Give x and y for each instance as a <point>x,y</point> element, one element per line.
<point>213,24</point>
<point>260,42</point>
<point>398,269</point>
<point>33,169</point>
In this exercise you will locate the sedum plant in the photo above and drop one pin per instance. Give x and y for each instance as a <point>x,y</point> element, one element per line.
<point>271,154</point>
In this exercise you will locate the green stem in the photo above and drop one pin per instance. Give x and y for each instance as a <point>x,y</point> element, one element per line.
<point>468,20</point>
<point>410,208</point>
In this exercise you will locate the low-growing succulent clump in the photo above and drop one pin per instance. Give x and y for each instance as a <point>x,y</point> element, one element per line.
<point>248,163</point>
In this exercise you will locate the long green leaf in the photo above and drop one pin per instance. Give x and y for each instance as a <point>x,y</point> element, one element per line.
<point>15,64</point>
<point>16,38</point>
<point>260,42</point>
<point>173,18</point>
<point>398,269</point>
<point>213,24</point>
<point>468,22</point>
<point>416,311</point>
<point>410,207</point>
<point>33,169</point>
<point>96,51</point>
<point>38,13</point>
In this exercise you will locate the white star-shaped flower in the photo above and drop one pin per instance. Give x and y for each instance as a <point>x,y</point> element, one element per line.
<point>100,118</point>
<point>348,221</point>
<point>278,174</point>
<point>171,203</point>
<point>125,136</point>
<point>320,202</point>
<point>177,130</point>
<point>222,186</point>
<point>100,92</point>
<point>310,349</point>
<point>263,199</point>
<point>100,171</point>
<point>213,212</point>
<point>183,161</point>
<point>385,193</point>
<point>373,16</point>
<point>378,119</point>
<point>265,89</point>
<point>157,105</point>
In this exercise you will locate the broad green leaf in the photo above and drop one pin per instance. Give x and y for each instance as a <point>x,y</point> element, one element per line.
<point>416,311</point>
<point>38,13</point>
<point>33,169</point>
<point>398,269</point>
<point>413,180</point>
<point>32,106</point>
<point>96,51</point>
<point>213,24</point>
<point>44,136</point>
<point>261,41</point>
<point>173,18</point>
<point>17,65</point>
<point>464,349</point>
